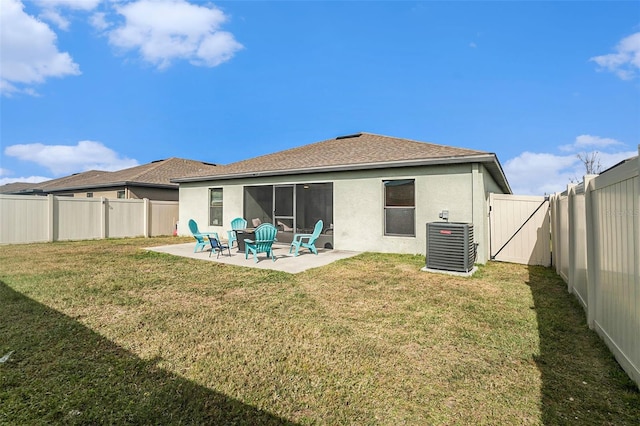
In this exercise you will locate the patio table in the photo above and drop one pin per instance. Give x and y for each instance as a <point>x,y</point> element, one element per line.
<point>241,234</point>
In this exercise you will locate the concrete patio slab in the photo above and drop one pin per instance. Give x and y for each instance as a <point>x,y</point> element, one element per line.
<point>285,262</point>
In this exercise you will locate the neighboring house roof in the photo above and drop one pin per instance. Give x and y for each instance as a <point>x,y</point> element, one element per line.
<point>71,181</point>
<point>155,174</point>
<point>354,152</point>
<point>16,187</point>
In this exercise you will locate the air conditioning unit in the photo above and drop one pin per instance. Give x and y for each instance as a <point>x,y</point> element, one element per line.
<point>450,246</point>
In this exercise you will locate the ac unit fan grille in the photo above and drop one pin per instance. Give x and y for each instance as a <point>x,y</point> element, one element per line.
<point>450,246</point>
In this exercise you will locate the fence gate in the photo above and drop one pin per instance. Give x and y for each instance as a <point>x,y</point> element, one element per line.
<point>520,230</point>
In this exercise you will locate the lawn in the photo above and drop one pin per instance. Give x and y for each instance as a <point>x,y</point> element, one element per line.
<point>106,332</point>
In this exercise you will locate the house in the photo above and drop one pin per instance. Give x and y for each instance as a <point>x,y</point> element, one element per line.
<point>16,188</point>
<point>150,181</point>
<point>373,192</point>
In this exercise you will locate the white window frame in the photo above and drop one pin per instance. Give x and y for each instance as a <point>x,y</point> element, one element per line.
<point>386,209</point>
<point>212,219</point>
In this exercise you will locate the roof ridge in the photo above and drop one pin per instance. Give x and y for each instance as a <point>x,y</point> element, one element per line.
<point>356,151</point>
<point>147,168</point>
<point>73,176</point>
<point>351,142</point>
<point>421,142</point>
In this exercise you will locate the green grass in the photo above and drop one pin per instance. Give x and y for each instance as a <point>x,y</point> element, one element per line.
<point>105,332</point>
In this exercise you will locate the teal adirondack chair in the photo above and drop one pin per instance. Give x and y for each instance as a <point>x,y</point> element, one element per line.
<point>307,240</point>
<point>265,236</point>
<point>237,223</point>
<point>199,236</point>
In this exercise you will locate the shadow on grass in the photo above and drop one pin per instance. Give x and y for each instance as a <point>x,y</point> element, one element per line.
<point>581,381</point>
<point>63,372</point>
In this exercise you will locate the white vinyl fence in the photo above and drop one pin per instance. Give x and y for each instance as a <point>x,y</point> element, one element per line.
<point>30,219</point>
<point>596,250</point>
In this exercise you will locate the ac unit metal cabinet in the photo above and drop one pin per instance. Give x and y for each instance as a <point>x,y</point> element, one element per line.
<point>450,246</point>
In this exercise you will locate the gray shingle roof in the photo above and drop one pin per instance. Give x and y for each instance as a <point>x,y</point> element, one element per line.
<point>362,148</point>
<point>16,187</point>
<point>71,181</point>
<point>156,173</point>
<point>358,151</point>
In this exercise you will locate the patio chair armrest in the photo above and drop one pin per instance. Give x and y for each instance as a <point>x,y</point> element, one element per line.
<point>246,240</point>
<point>300,236</point>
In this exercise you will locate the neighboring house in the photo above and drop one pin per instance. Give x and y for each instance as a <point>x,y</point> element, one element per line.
<point>16,187</point>
<point>152,181</point>
<point>373,193</point>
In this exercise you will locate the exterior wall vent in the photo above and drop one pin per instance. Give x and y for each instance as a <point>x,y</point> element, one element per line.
<point>450,246</point>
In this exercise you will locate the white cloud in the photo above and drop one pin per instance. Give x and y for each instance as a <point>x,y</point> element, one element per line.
<point>625,62</point>
<point>167,30</point>
<point>589,142</point>
<point>28,179</point>
<point>54,16</point>
<point>71,4</point>
<point>215,50</point>
<point>51,10</point>
<point>98,21</point>
<point>65,159</point>
<point>28,51</point>
<point>533,173</point>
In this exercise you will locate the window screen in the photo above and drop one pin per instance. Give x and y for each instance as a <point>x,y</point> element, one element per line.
<point>399,207</point>
<point>215,207</point>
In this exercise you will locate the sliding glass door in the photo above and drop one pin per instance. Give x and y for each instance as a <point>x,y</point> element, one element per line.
<point>258,204</point>
<point>293,208</point>
<point>284,201</point>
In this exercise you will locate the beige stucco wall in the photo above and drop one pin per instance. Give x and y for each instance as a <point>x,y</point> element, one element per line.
<point>358,204</point>
<point>111,193</point>
<point>359,214</point>
<point>486,186</point>
<point>159,194</point>
<point>131,193</point>
<point>194,200</point>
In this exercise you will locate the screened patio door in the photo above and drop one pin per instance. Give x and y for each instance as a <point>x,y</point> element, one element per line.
<point>292,208</point>
<point>284,202</point>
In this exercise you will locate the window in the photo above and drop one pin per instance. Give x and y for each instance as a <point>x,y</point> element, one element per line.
<point>120,194</point>
<point>215,207</point>
<point>399,207</point>
<point>89,194</point>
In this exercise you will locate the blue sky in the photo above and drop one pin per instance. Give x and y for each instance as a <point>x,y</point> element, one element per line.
<point>108,84</point>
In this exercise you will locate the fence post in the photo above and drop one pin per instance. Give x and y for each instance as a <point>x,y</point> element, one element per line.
<point>571,223</point>
<point>557,255</point>
<point>552,225</point>
<point>147,214</point>
<point>104,213</point>
<point>52,217</point>
<point>592,247</point>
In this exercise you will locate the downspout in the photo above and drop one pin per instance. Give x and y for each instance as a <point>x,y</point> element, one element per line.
<point>474,169</point>
<point>478,223</point>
